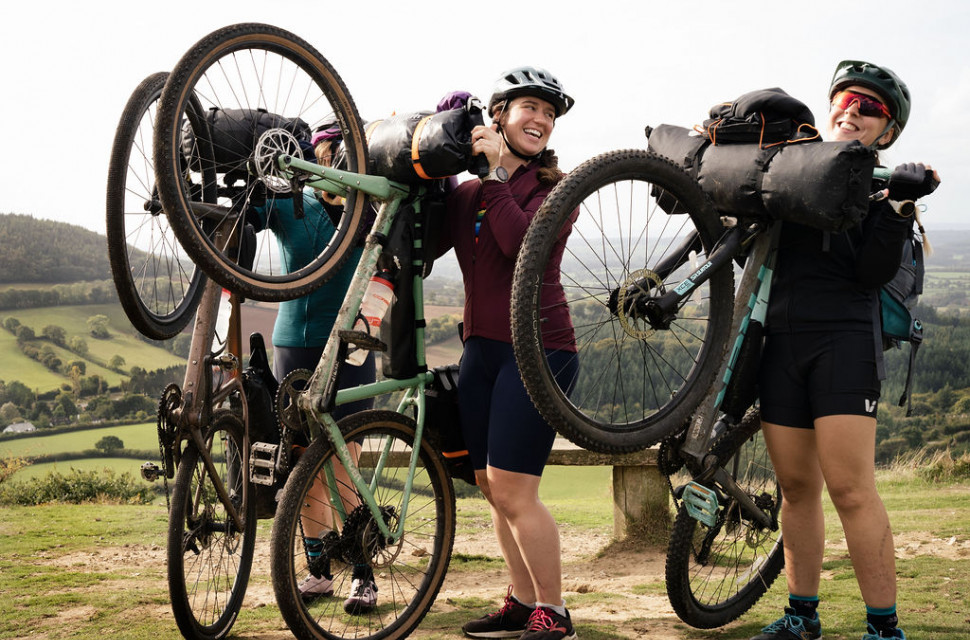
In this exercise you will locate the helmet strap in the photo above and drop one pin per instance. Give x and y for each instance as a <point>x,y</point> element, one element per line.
<point>516,152</point>
<point>875,144</point>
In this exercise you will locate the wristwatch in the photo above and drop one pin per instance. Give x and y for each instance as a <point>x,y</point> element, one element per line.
<point>499,174</point>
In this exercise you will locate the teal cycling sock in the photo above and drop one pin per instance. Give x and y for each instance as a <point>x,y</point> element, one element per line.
<point>882,619</point>
<point>804,606</point>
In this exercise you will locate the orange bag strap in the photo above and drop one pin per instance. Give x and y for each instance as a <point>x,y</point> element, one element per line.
<point>416,152</point>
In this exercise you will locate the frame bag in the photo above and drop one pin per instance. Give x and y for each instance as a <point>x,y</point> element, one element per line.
<point>443,423</point>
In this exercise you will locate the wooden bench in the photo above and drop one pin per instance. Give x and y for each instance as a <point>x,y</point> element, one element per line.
<point>641,496</point>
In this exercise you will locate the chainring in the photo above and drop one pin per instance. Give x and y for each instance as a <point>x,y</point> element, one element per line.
<point>287,396</point>
<point>170,400</point>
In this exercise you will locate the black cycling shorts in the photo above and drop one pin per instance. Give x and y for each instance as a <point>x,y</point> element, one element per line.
<point>804,376</point>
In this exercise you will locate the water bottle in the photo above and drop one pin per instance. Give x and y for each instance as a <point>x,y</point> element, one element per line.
<point>221,336</point>
<point>377,298</point>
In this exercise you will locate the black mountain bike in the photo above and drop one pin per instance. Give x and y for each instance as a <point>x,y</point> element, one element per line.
<point>649,280</point>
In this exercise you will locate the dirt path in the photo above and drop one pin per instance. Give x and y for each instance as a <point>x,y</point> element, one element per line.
<point>630,578</point>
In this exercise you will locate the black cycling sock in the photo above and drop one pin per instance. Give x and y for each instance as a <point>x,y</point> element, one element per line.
<point>804,606</point>
<point>314,549</point>
<point>882,619</point>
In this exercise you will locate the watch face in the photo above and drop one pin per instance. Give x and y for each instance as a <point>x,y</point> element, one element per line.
<point>501,174</point>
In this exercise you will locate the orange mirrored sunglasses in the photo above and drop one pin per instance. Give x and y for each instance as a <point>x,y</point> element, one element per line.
<point>868,106</point>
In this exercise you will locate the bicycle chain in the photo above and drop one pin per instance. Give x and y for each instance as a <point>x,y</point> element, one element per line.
<point>170,400</point>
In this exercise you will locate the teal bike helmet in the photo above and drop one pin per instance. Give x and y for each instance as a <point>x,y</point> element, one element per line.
<point>530,81</point>
<point>881,80</point>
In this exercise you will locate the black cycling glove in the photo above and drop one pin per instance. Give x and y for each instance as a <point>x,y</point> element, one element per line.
<point>911,181</point>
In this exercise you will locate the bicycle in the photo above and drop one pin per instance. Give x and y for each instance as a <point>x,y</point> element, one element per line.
<point>650,284</point>
<point>667,349</point>
<point>392,508</point>
<point>204,426</point>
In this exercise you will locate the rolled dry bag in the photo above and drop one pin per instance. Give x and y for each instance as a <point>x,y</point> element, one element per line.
<point>419,146</point>
<point>819,184</point>
<point>234,133</point>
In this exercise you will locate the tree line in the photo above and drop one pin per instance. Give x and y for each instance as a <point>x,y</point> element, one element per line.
<point>49,252</point>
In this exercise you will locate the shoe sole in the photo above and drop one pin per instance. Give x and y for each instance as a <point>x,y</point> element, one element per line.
<point>356,610</point>
<point>494,634</point>
<point>310,597</point>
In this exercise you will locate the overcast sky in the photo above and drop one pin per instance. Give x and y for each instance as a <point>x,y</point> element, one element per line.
<point>66,70</point>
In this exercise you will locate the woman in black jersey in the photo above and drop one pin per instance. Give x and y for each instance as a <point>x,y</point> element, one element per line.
<point>821,368</point>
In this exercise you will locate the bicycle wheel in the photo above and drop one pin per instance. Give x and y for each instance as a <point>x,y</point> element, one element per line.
<point>715,574</point>
<point>407,573</point>
<point>248,77</point>
<point>616,233</point>
<point>158,286</point>
<point>209,559</point>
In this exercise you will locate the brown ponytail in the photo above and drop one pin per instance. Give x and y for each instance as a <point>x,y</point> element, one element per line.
<point>549,173</point>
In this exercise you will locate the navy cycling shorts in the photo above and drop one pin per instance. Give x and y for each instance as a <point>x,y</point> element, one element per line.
<point>810,375</point>
<point>501,426</point>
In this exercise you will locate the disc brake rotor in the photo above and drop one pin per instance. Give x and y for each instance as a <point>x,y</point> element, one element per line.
<point>271,144</point>
<point>638,283</point>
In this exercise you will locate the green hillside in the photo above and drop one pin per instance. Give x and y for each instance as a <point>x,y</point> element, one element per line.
<point>44,251</point>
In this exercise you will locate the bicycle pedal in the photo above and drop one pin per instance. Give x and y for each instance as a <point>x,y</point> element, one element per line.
<point>150,471</point>
<point>262,463</point>
<point>362,340</point>
<point>701,503</point>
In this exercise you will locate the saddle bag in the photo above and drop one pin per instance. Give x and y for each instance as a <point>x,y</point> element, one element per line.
<point>819,184</point>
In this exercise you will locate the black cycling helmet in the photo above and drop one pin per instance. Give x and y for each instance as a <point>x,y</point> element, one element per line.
<point>881,80</point>
<point>530,81</point>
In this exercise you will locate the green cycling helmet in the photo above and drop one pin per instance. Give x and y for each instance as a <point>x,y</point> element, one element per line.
<point>881,80</point>
<point>530,81</point>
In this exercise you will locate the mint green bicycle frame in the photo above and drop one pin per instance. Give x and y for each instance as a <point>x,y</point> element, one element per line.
<point>320,393</point>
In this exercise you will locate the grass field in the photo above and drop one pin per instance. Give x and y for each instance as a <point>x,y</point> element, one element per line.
<point>135,436</point>
<point>14,365</point>
<point>96,571</point>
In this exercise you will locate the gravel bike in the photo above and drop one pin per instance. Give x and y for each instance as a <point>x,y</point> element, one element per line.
<point>204,425</point>
<point>648,271</point>
<point>668,351</point>
<point>372,482</point>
